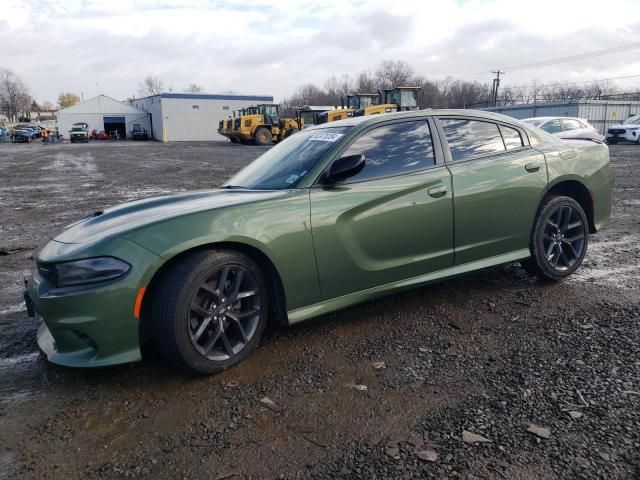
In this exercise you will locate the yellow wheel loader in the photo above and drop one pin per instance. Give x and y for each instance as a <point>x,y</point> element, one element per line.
<point>392,100</point>
<point>352,104</point>
<point>262,125</point>
<point>310,115</point>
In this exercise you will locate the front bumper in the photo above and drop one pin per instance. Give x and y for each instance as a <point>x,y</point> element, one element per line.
<point>628,136</point>
<point>93,326</point>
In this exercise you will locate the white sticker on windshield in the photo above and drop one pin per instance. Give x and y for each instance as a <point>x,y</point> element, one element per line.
<point>292,178</point>
<point>326,136</point>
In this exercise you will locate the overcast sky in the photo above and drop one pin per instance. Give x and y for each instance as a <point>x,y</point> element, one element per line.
<point>270,47</point>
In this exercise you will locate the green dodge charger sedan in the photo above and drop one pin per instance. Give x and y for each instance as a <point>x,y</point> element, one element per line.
<point>332,216</point>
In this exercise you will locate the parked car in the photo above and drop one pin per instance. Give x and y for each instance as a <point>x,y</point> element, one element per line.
<point>139,132</point>
<point>32,131</point>
<point>332,216</point>
<point>567,127</point>
<point>629,131</point>
<point>79,133</point>
<point>22,136</point>
<point>99,135</point>
<point>5,134</point>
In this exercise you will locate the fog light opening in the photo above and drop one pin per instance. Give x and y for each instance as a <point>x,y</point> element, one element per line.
<point>86,339</point>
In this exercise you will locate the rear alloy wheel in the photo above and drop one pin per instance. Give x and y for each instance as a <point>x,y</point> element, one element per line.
<point>559,240</point>
<point>263,137</point>
<point>210,311</point>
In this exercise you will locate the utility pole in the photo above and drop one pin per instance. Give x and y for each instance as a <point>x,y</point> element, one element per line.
<point>494,89</point>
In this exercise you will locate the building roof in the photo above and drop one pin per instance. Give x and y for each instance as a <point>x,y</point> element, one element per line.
<point>212,96</point>
<point>101,104</point>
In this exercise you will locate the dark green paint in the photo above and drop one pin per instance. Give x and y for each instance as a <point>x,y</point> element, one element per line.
<point>332,246</point>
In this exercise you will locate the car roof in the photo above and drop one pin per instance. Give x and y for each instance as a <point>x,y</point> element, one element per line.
<point>372,119</point>
<point>544,119</point>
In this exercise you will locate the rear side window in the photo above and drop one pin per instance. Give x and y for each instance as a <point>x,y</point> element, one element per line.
<point>552,126</point>
<point>394,149</point>
<point>471,138</point>
<point>511,137</point>
<point>568,124</point>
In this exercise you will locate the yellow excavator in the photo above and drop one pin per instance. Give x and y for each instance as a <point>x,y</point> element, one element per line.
<point>263,125</point>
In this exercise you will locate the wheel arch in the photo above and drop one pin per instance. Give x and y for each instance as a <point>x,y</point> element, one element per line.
<point>277,299</point>
<point>579,192</point>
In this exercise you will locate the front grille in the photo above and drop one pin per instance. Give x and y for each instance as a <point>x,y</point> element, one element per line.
<point>617,131</point>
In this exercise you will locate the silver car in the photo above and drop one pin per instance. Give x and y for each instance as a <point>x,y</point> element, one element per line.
<point>566,127</point>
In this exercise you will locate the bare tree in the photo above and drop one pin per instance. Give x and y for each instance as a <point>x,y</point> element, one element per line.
<point>68,99</point>
<point>365,82</point>
<point>14,95</point>
<point>392,74</point>
<point>194,88</point>
<point>151,86</point>
<point>47,106</point>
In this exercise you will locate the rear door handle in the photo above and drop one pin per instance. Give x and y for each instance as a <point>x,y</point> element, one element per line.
<point>532,167</point>
<point>437,192</point>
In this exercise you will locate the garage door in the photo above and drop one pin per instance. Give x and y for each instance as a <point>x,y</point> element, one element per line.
<point>115,124</point>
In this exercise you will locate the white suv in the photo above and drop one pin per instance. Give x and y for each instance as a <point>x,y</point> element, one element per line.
<point>628,130</point>
<point>566,127</point>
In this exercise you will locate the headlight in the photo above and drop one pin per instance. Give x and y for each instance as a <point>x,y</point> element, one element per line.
<point>633,128</point>
<point>82,272</point>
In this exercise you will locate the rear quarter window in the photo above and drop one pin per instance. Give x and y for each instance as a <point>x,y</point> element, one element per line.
<point>511,137</point>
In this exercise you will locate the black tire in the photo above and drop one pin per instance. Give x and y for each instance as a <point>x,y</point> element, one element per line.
<point>233,139</point>
<point>559,239</point>
<point>291,132</point>
<point>263,136</point>
<point>179,305</point>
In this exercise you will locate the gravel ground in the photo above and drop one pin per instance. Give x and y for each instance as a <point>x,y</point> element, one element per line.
<point>490,375</point>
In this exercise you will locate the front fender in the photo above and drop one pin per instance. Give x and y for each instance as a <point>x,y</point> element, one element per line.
<point>279,228</point>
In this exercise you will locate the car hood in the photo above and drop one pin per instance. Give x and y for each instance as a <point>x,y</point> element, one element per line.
<point>624,125</point>
<point>130,216</point>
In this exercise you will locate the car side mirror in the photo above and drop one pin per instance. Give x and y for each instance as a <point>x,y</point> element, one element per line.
<point>345,167</point>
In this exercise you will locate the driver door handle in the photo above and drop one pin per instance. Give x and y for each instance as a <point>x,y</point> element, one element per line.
<point>532,167</point>
<point>437,192</point>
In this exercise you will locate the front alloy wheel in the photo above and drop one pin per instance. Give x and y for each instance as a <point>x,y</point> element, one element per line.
<point>209,310</point>
<point>559,239</point>
<point>224,313</point>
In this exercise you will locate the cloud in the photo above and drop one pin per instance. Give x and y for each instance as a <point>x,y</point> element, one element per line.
<point>261,46</point>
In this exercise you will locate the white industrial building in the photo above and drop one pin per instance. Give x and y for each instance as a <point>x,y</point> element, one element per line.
<point>178,117</point>
<point>103,113</point>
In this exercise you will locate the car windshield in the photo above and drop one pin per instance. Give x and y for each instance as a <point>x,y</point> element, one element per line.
<point>632,120</point>
<point>286,164</point>
<point>533,121</point>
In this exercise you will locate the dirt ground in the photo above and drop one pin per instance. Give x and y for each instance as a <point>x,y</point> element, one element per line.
<point>381,390</point>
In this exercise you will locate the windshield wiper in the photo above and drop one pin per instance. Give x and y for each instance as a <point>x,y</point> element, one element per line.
<point>234,187</point>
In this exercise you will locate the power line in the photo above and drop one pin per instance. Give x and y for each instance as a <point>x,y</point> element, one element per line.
<point>559,83</point>
<point>572,58</point>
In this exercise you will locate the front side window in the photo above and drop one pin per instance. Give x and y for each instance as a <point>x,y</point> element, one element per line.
<point>568,124</point>
<point>552,126</point>
<point>286,164</point>
<point>394,149</point>
<point>471,138</point>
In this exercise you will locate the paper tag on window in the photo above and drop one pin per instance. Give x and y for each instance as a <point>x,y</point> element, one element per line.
<point>326,136</point>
